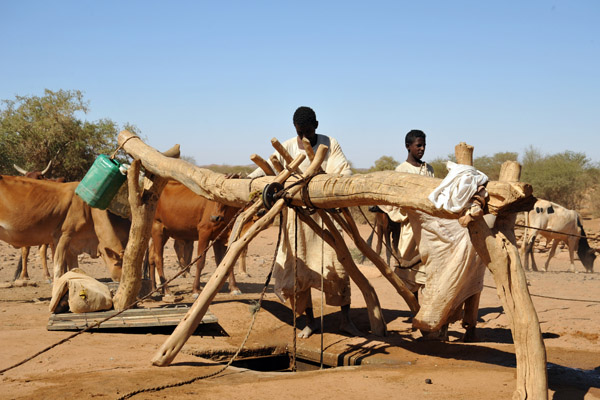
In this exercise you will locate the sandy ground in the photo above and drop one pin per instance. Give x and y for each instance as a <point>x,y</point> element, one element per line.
<point>110,364</point>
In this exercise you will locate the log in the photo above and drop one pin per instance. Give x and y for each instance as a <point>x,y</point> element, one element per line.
<point>326,191</point>
<point>463,153</point>
<point>262,164</point>
<point>498,249</point>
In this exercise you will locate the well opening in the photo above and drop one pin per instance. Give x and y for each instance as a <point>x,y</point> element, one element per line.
<point>270,359</point>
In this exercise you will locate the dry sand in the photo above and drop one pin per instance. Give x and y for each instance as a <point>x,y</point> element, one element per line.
<point>110,364</point>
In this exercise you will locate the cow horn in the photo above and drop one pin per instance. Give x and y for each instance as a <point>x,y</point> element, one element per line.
<point>21,170</point>
<point>47,168</point>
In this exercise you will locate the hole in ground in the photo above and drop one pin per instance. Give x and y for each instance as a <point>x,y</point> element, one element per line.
<point>274,359</point>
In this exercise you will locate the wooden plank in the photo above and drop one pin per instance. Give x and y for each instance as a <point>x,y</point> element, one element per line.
<point>134,318</point>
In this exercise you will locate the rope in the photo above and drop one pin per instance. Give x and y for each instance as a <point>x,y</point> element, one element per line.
<point>295,290</point>
<point>561,233</point>
<point>322,295</point>
<point>553,298</point>
<point>387,245</point>
<point>235,355</point>
<point>121,146</point>
<point>135,303</point>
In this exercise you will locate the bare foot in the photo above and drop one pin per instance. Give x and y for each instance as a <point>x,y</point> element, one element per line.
<point>309,330</point>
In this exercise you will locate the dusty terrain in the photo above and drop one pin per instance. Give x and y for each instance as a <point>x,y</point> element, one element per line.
<point>110,364</point>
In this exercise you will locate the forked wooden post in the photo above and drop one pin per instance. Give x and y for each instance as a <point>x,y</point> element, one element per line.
<point>498,249</point>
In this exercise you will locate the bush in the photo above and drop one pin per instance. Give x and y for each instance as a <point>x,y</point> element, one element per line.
<point>562,178</point>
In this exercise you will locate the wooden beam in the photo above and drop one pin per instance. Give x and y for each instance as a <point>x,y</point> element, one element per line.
<point>326,191</point>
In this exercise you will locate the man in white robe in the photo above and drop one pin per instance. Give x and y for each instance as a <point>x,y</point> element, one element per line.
<point>313,255</point>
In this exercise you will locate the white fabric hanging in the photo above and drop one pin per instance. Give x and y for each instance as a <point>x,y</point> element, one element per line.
<point>458,187</point>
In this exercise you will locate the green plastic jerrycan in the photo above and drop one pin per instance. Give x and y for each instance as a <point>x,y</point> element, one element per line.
<point>101,183</point>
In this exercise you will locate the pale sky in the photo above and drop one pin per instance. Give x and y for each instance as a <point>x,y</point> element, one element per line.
<point>221,78</point>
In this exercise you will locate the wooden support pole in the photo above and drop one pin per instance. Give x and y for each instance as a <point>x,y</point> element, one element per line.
<point>143,204</point>
<point>498,250</point>
<point>262,164</point>
<point>276,164</point>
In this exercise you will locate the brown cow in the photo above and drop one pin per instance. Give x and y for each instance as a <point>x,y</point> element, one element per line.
<point>184,215</point>
<point>34,212</point>
<point>387,232</point>
<point>22,272</point>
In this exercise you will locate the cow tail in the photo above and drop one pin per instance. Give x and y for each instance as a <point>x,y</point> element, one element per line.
<point>146,265</point>
<point>19,268</point>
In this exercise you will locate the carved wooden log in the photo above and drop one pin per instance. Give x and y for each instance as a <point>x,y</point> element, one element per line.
<point>143,204</point>
<point>326,191</point>
<point>463,153</point>
<point>498,250</point>
<point>258,160</point>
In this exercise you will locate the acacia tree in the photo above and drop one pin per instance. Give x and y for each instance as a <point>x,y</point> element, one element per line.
<point>37,129</point>
<point>384,163</point>
<point>562,178</point>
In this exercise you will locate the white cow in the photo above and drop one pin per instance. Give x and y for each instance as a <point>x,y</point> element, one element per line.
<point>557,224</point>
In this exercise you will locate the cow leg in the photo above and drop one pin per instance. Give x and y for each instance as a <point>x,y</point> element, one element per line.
<point>572,244</point>
<point>43,254</point>
<point>388,238</point>
<point>242,259</point>
<point>529,253</point>
<point>202,245</point>
<point>60,256</point>
<point>551,254</point>
<point>369,243</point>
<point>24,257</point>
<point>158,272</point>
<point>379,233</point>
<point>220,249</point>
<point>184,250</point>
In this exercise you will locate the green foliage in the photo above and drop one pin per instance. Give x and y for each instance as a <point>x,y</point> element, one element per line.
<point>384,163</point>
<point>562,178</point>
<point>439,165</point>
<point>491,165</point>
<point>35,130</point>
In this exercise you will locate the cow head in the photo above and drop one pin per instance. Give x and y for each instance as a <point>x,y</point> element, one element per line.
<point>34,174</point>
<point>114,262</point>
<point>587,257</point>
<point>586,254</point>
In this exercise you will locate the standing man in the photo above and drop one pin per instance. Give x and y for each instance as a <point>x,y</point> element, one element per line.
<point>301,247</point>
<point>411,269</point>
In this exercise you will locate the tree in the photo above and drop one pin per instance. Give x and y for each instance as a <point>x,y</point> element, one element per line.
<point>384,163</point>
<point>491,165</point>
<point>35,130</point>
<point>562,178</point>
